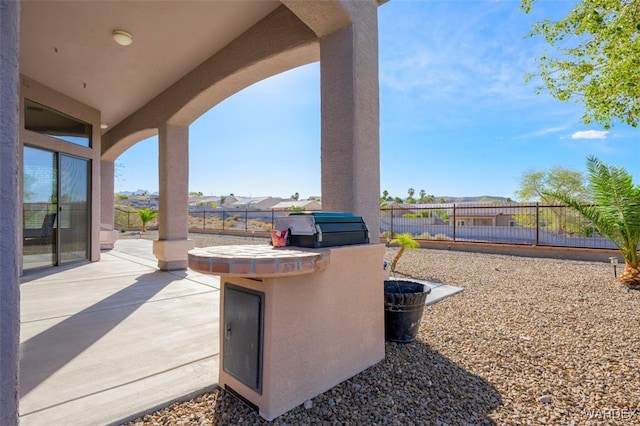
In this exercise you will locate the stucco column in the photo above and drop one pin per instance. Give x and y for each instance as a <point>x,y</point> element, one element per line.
<point>173,168</point>
<point>108,235</point>
<point>350,151</point>
<point>10,211</point>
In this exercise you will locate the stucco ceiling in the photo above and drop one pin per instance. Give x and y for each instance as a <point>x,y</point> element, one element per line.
<point>68,45</point>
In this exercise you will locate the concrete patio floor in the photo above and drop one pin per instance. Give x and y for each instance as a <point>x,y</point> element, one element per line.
<point>105,341</point>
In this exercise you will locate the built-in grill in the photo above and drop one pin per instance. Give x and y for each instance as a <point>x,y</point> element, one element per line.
<point>324,229</point>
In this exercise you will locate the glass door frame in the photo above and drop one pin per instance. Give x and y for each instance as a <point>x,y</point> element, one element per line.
<point>56,245</point>
<point>87,194</point>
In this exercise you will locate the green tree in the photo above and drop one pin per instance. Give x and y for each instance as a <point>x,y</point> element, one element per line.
<point>295,196</point>
<point>146,216</point>
<point>616,212</point>
<point>405,241</point>
<point>410,199</point>
<point>385,197</point>
<point>195,193</point>
<point>423,194</point>
<point>539,185</point>
<point>595,59</point>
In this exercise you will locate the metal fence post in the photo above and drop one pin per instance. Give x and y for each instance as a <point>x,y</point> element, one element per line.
<point>537,224</point>
<point>246,220</point>
<point>223,219</point>
<point>392,232</point>
<point>454,222</point>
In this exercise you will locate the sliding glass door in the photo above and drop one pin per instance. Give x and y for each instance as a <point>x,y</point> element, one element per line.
<point>55,208</point>
<point>73,208</point>
<point>39,208</point>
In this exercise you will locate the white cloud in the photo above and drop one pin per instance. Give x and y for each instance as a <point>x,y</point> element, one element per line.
<point>590,134</point>
<point>543,132</point>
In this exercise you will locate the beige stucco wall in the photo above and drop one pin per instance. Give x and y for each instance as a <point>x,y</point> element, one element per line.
<point>504,220</point>
<point>350,149</point>
<point>319,329</point>
<point>10,207</point>
<point>108,235</point>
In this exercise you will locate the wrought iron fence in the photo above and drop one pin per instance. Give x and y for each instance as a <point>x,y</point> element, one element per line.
<point>243,220</point>
<point>208,219</point>
<point>127,219</point>
<point>508,223</point>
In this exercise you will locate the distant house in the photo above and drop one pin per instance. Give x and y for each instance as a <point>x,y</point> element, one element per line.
<point>306,205</point>
<point>394,208</point>
<point>466,214</point>
<point>255,203</point>
<point>196,200</point>
<point>144,201</point>
<point>489,214</point>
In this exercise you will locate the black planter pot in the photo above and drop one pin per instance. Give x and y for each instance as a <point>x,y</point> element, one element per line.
<point>404,302</point>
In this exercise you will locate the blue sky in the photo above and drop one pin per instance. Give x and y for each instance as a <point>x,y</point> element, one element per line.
<point>456,116</point>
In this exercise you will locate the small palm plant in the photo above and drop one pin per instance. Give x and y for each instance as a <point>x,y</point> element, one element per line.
<point>405,241</point>
<point>146,216</point>
<point>616,212</point>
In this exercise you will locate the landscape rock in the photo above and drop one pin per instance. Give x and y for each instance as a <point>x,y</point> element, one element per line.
<point>529,342</point>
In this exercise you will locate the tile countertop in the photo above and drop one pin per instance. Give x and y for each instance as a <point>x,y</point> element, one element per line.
<point>257,261</point>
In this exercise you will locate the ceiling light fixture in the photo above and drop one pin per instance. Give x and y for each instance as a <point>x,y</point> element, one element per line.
<point>123,38</point>
<point>104,126</point>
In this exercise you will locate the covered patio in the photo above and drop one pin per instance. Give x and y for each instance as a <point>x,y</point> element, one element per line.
<point>84,81</point>
<point>105,341</point>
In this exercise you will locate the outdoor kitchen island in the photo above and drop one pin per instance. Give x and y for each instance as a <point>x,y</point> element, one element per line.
<point>295,321</point>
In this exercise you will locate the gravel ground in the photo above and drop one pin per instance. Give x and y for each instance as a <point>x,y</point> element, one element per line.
<point>529,342</point>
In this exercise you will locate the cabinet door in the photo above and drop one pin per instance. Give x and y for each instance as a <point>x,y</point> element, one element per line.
<point>242,334</point>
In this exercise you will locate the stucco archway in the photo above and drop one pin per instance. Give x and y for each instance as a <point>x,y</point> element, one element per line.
<point>343,36</point>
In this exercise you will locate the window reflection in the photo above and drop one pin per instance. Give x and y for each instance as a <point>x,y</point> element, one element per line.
<point>40,119</point>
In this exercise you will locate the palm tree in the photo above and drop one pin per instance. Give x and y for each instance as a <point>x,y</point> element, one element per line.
<point>405,241</point>
<point>616,212</point>
<point>146,216</point>
<point>383,199</point>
